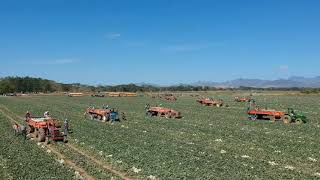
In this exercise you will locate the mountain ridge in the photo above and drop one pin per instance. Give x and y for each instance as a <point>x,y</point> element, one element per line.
<point>293,81</point>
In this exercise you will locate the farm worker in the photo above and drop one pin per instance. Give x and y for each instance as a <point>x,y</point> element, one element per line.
<point>28,115</point>
<point>66,127</point>
<point>46,114</point>
<point>24,131</point>
<point>16,128</point>
<point>113,115</point>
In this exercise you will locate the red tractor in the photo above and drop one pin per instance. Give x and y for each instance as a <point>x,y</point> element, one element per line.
<point>46,129</point>
<point>210,102</point>
<point>162,112</point>
<point>241,99</point>
<point>103,114</point>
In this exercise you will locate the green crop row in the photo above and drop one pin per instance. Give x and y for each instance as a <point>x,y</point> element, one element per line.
<point>23,160</point>
<point>208,143</point>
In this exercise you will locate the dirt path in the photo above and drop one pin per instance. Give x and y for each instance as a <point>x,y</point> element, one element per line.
<point>105,166</point>
<point>71,164</point>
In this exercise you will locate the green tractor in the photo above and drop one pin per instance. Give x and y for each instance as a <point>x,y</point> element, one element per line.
<point>294,117</point>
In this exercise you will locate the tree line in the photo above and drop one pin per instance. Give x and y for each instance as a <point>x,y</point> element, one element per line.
<point>39,85</point>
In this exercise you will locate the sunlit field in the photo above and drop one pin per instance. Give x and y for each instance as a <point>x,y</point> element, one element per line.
<point>207,143</point>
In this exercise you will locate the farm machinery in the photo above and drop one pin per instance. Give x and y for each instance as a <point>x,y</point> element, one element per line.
<point>46,129</point>
<point>170,98</point>
<point>241,99</point>
<point>291,116</point>
<point>102,114</point>
<point>210,102</point>
<point>98,95</point>
<point>162,112</point>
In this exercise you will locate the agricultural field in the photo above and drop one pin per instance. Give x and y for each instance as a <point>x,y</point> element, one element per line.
<point>207,143</point>
<point>19,160</point>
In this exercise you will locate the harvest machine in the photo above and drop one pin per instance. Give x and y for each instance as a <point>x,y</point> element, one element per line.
<point>102,114</point>
<point>98,95</point>
<point>241,99</point>
<point>210,102</point>
<point>162,112</point>
<point>46,129</point>
<point>291,116</point>
<point>168,97</point>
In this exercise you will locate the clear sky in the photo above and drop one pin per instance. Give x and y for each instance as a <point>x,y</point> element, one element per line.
<point>159,41</point>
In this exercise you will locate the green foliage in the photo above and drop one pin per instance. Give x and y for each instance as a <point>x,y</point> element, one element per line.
<point>25,84</point>
<point>311,91</point>
<point>208,143</point>
<point>36,85</point>
<point>25,160</point>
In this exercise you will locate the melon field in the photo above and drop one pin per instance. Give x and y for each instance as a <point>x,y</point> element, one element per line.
<point>207,143</point>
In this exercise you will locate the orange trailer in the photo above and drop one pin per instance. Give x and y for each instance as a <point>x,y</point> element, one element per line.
<point>210,102</point>
<point>46,129</point>
<point>163,112</point>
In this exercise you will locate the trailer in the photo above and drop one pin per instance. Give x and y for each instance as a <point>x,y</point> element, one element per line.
<point>162,112</point>
<point>46,129</point>
<point>210,102</point>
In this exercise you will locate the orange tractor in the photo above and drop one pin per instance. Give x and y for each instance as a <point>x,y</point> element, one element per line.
<point>103,114</point>
<point>241,99</point>
<point>210,102</point>
<point>162,112</point>
<point>46,129</point>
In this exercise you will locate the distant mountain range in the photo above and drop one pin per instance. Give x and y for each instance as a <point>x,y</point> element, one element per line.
<point>294,81</point>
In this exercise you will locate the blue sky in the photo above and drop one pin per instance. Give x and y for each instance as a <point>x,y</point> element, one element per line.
<point>159,41</point>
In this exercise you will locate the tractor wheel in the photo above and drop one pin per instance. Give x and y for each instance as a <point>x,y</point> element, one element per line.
<point>91,117</point>
<point>104,118</point>
<point>286,119</point>
<point>218,105</point>
<point>299,121</point>
<point>42,135</point>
